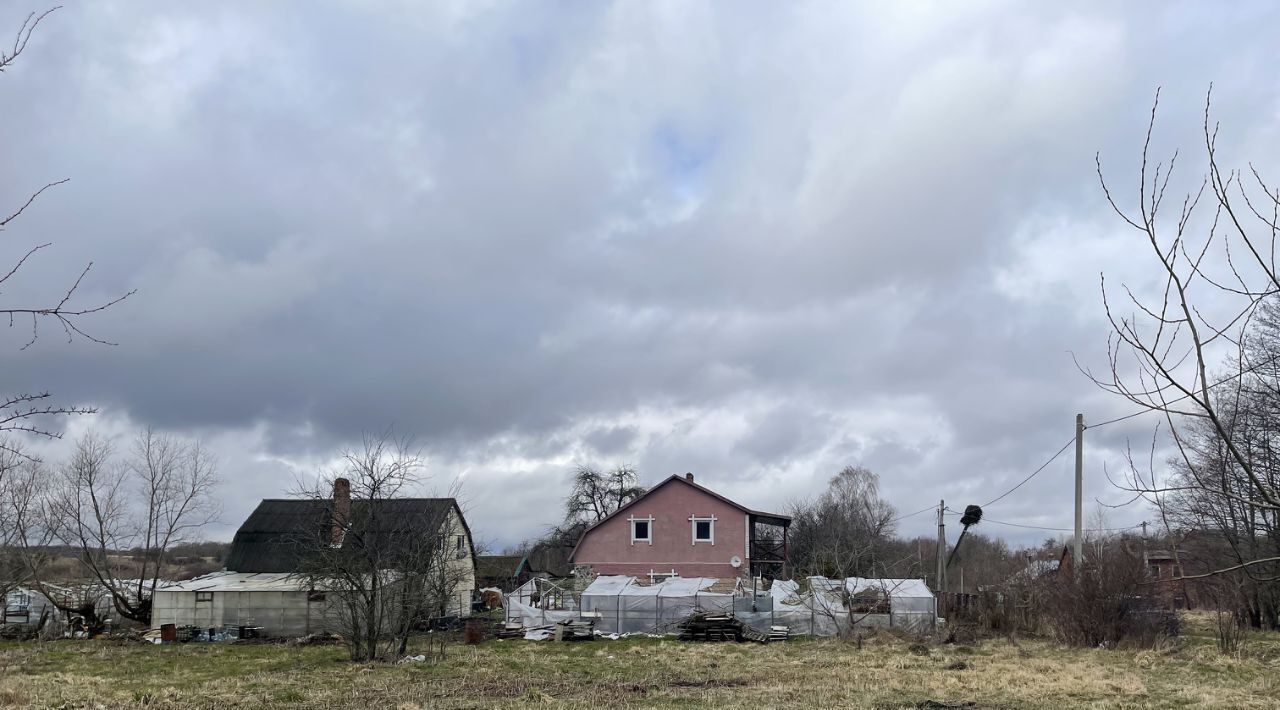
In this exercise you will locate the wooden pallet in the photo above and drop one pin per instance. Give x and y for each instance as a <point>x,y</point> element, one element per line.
<point>576,630</point>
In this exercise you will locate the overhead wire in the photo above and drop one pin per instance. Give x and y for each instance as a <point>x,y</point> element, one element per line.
<point>1041,527</point>
<point>1067,445</point>
<point>1034,473</point>
<point>911,515</point>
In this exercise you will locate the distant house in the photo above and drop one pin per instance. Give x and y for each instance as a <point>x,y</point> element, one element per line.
<point>498,572</point>
<point>506,572</point>
<point>263,584</point>
<point>1163,570</point>
<point>682,529</point>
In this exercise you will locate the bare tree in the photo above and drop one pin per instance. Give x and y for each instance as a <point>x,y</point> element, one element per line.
<point>21,477</point>
<point>1215,260</point>
<point>122,518</point>
<point>595,494</point>
<point>845,531</point>
<point>1107,604</point>
<point>24,412</point>
<point>387,564</point>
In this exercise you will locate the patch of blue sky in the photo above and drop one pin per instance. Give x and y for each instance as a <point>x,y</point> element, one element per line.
<point>684,157</point>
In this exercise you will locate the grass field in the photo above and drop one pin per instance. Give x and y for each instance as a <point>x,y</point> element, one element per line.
<point>887,672</point>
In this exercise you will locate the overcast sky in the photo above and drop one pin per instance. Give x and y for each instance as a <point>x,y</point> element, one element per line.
<point>755,241</point>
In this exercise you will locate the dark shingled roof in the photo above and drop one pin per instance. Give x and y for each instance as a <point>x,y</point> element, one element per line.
<point>275,535</point>
<point>497,570</point>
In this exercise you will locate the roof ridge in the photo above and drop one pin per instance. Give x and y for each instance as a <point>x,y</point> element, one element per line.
<point>315,500</point>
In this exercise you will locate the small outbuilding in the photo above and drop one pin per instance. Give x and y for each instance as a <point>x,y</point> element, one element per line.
<point>265,584</point>
<point>277,603</point>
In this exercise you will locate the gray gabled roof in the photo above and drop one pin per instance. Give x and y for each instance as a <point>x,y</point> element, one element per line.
<point>279,531</point>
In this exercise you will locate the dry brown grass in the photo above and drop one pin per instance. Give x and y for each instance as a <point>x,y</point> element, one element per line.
<point>650,673</point>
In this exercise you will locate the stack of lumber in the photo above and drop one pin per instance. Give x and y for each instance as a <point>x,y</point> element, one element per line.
<point>576,630</point>
<point>511,630</point>
<point>700,626</point>
<point>779,633</point>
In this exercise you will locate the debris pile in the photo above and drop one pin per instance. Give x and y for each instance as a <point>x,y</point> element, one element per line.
<point>575,630</point>
<point>701,626</point>
<point>511,630</point>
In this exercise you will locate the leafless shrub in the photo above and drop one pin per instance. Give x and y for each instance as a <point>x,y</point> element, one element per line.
<point>1106,604</point>
<point>1230,633</point>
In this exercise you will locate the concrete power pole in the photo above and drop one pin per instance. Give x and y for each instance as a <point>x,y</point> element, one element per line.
<point>1077,550</point>
<point>942,549</point>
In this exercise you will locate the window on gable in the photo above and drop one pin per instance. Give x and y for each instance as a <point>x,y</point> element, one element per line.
<point>642,530</point>
<point>704,529</point>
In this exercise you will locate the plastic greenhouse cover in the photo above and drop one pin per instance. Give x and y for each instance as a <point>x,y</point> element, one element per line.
<point>904,588</point>
<point>784,589</point>
<point>622,585</point>
<point>607,586</point>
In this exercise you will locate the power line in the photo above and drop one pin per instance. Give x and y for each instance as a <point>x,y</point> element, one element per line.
<point>909,515</point>
<point>1034,473</point>
<point>1130,415</point>
<point>1041,527</point>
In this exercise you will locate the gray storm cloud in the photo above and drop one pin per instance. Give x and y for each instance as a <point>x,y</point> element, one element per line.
<point>758,242</point>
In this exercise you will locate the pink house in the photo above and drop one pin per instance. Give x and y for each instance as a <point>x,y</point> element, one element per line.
<point>680,528</point>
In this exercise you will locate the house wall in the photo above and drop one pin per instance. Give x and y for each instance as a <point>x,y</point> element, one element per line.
<point>462,569</point>
<point>608,549</point>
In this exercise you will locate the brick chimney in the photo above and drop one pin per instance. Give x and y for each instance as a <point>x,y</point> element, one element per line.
<point>341,510</point>
<point>688,477</point>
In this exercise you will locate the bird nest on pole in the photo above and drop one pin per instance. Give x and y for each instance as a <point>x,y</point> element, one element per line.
<point>972,514</point>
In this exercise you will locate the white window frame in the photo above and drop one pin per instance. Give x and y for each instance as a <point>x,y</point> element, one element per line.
<point>693,531</point>
<point>632,520</point>
<point>204,597</point>
<point>655,577</point>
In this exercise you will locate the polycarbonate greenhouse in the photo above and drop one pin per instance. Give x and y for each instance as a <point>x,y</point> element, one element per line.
<point>622,605</point>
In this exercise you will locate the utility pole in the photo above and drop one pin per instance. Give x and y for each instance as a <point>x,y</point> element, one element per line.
<point>941,581</point>
<point>1077,552</point>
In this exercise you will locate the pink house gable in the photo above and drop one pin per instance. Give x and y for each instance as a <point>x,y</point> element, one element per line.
<point>671,509</point>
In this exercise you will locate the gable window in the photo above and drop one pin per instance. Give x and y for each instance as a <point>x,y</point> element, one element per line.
<point>641,529</point>
<point>204,596</point>
<point>704,529</point>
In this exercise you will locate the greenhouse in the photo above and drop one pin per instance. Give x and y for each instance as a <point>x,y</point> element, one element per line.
<point>828,607</point>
